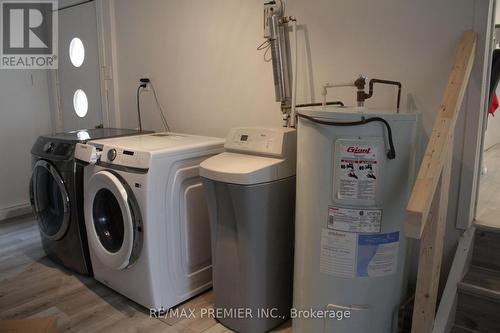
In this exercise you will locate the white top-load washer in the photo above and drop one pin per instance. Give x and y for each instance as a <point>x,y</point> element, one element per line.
<point>146,215</point>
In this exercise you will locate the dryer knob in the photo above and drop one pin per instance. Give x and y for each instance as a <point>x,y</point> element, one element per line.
<point>111,154</point>
<point>48,147</point>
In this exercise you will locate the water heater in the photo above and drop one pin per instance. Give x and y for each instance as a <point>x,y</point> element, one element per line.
<point>354,177</point>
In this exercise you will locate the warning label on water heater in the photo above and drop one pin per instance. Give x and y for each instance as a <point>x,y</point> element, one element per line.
<point>356,170</point>
<point>348,255</point>
<point>354,220</point>
<point>338,253</point>
<point>377,254</point>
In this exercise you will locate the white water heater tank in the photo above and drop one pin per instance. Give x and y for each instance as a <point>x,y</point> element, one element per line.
<point>350,248</point>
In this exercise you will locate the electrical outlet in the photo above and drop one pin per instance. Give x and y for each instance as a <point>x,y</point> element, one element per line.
<point>148,83</point>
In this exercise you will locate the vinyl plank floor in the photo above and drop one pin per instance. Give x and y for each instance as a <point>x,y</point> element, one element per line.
<point>488,205</point>
<point>31,286</point>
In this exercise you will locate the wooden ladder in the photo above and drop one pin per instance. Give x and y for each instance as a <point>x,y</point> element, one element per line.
<point>428,204</point>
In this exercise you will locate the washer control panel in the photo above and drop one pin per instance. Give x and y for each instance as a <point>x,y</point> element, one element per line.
<point>124,157</point>
<point>93,154</point>
<point>53,148</point>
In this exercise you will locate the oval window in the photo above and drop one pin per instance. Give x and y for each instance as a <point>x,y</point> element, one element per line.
<point>76,52</point>
<point>80,103</point>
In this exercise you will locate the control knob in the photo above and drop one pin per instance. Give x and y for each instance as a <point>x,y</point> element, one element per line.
<point>48,147</point>
<point>112,154</point>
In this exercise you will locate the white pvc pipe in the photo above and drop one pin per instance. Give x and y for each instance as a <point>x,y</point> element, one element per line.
<point>326,86</point>
<point>294,73</point>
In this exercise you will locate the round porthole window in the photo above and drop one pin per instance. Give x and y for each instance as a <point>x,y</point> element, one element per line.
<point>76,52</point>
<point>80,103</point>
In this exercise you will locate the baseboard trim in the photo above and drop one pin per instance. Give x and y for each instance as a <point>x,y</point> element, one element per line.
<point>15,211</point>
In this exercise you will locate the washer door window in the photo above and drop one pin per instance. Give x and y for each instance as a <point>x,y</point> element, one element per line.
<point>113,221</point>
<point>50,200</point>
<point>108,220</point>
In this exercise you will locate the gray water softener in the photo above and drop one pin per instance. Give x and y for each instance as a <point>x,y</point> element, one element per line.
<point>251,201</point>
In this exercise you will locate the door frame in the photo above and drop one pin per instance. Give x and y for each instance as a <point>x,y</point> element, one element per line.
<point>106,40</point>
<point>474,119</point>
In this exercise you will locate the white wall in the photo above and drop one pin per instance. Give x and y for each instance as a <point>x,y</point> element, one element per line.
<point>202,55</point>
<point>24,115</point>
<point>497,14</point>
<point>202,58</point>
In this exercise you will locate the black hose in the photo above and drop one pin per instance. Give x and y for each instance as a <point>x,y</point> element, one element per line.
<point>391,154</point>
<point>139,106</point>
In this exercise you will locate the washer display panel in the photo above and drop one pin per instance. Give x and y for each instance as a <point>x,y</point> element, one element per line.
<point>50,200</point>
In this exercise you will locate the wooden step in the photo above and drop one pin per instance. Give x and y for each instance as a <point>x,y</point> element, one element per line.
<point>478,307</point>
<point>486,248</point>
<point>461,329</point>
<point>482,282</point>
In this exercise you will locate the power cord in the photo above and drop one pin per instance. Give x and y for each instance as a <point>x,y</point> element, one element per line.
<point>143,84</point>
<point>139,120</point>
<point>160,108</point>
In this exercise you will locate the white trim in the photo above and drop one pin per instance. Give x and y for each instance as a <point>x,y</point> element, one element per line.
<point>15,211</point>
<point>55,100</point>
<point>475,110</point>
<point>107,62</point>
<point>101,51</point>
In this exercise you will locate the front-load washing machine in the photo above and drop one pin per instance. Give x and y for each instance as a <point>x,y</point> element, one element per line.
<point>56,195</point>
<point>146,216</point>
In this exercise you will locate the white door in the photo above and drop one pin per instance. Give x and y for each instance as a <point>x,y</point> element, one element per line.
<point>78,74</point>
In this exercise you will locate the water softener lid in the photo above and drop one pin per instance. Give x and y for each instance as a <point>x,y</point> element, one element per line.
<point>244,169</point>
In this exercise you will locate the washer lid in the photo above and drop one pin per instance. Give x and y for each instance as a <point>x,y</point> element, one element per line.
<point>245,169</point>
